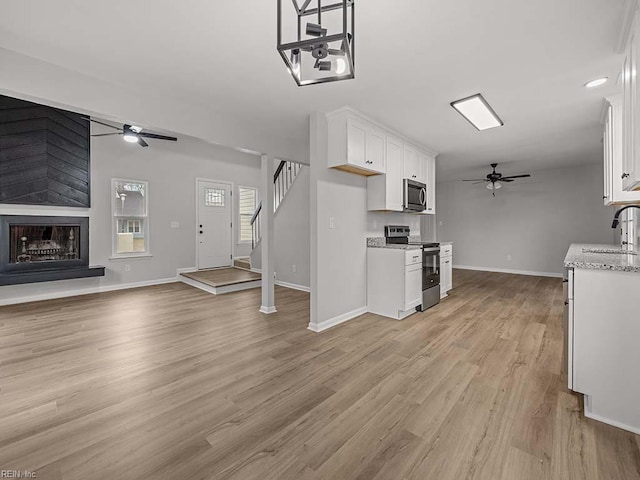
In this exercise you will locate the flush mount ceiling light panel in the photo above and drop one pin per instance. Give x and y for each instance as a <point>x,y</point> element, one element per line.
<point>596,82</point>
<point>316,39</point>
<point>478,112</point>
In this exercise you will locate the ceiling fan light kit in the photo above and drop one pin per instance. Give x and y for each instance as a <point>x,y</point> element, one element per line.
<point>494,180</point>
<point>131,133</point>
<point>316,39</point>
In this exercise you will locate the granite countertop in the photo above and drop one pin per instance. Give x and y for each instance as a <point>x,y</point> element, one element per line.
<point>577,257</point>
<point>381,242</point>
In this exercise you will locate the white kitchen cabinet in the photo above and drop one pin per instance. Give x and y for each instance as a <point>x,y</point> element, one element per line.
<point>631,111</point>
<point>446,270</point>
<point>394,281</point>
<point>602,344</point>
<point>355,145</point>
<point>429,163</point>
<point>614,193</point>
<point>413,164</point>
<point>384,192</point>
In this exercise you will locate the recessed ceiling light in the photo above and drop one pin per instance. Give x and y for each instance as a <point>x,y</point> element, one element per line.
<point>478,112</point>
<point>597,82</point>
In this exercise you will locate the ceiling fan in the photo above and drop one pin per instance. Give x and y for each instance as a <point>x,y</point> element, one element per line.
<point>132,134</point>
<point>494,179</point>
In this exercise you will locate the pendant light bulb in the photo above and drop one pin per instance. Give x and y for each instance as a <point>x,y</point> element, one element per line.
<point>341,66</point>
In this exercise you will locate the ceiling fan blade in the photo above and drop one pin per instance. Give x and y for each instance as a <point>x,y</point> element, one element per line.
<point>506,180</point>
<point>517,176</point>
<point>477,183</point>
<point>102,123</point>
<point>142,143</point>
<point>106,134</point>
<point>476,180</point>
<point>157,136</point>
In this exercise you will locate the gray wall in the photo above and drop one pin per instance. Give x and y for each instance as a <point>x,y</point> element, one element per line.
<point>171,170</point>
<point>339,254</point>
<point>291,232</point>
<point>533,220</point>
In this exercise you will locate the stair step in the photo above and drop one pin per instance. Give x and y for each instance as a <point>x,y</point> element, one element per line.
<point>242,262</point>
<point>222,280</point>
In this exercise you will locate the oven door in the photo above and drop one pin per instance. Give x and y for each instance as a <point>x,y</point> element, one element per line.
<point>430,267</point>
<point>415,196</point>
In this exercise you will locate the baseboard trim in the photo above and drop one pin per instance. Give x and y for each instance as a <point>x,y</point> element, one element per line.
<point>87,291</point>
<point>267,310</point>
<point>293,286</point>
<point>623,426</point>
<point>506,270</point>
<point>185,270</point>
<point>332,322</point>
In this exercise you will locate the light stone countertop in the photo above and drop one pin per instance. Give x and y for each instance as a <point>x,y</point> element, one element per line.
<point>381,242</point>
<point>620,262</point>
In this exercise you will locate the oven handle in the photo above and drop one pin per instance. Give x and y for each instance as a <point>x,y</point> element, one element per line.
<point>432,249</point>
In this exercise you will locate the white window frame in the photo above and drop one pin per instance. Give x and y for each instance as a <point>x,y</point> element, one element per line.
<point>114,221</point>
<point>246,187</point>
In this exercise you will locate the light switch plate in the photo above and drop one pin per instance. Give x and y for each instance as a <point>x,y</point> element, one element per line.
<point>175,224</point>
<point>332,222</point>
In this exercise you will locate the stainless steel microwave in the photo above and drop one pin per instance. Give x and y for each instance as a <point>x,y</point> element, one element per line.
<point>415,196</point>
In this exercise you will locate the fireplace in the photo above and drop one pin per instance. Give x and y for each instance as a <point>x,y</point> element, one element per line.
<point>43,248</point>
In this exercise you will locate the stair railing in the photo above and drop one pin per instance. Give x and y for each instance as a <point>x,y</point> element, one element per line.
<point>283,178</point>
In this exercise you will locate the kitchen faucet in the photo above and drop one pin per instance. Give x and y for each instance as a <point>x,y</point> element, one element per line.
<point>617,215</point>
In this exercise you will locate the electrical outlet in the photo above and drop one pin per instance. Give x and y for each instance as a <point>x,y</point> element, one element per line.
<point>127,268</point>
<point>508,258</point>
<point>332,222</point>
<point>294,268</point>
<point>175,224</point>
<point>440,223</point>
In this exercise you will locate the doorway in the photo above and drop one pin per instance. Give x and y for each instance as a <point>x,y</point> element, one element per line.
<point>214,224</point>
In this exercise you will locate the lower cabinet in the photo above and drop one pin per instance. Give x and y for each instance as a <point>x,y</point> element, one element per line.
<point>446,269</point>
<point>394,281</point>
<point>601,352</point>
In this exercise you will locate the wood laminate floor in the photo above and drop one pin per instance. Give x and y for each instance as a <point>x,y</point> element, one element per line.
<point>220,277</point>
<point>169,382</point>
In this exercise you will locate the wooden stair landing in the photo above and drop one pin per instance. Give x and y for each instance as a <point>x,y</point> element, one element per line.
<point>222,280</point>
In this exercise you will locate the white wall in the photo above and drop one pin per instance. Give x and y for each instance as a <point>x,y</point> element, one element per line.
<point>533,220</point>
<point>291,230</point>
<point>339,255</point>
<point>171,170</point>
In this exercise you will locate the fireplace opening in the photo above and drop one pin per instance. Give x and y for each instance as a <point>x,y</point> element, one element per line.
<point>43,243</point>
<point>42,248</point>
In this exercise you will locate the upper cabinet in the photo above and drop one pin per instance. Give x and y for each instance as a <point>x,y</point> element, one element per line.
<point>355,145</point>
<point>614,193</point>
<point>631,111</point>
<point>365,147</point>
<point>413,162</point>
<point>430,180</point>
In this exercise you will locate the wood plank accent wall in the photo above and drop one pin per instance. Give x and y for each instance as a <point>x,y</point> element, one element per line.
<point>44,155</point>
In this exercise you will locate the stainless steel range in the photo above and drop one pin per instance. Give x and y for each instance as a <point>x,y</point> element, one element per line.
<point>399,235</point>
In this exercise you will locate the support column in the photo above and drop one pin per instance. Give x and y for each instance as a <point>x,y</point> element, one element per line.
<point>266,226</point>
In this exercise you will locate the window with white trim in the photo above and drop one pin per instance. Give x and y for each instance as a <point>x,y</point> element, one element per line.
<point>130,214</point>
<point>248,201</point>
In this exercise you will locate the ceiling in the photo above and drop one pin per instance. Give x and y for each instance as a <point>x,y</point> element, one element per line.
<point>529,59</point>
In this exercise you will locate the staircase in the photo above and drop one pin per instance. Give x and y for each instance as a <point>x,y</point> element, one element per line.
<point>283,178</point>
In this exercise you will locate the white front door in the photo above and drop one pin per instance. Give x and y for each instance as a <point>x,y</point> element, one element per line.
<point>214,228</point>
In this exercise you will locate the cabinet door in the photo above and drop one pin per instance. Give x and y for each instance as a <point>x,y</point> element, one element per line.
<point>631,138</point>
<point>394,200</point>
<point>375,150</point>
<point>449,269</point>
<point>412,164</point>
<point>608,156</point>
<point>413,286</point>
<point>430,181</point>
<point>356,143</point>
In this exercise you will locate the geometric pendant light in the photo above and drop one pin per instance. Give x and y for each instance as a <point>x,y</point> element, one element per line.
<point>316,39</point>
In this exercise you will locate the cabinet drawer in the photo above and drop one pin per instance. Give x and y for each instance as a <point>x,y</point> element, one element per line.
<point>446,250</point>
<point>412,257</point>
